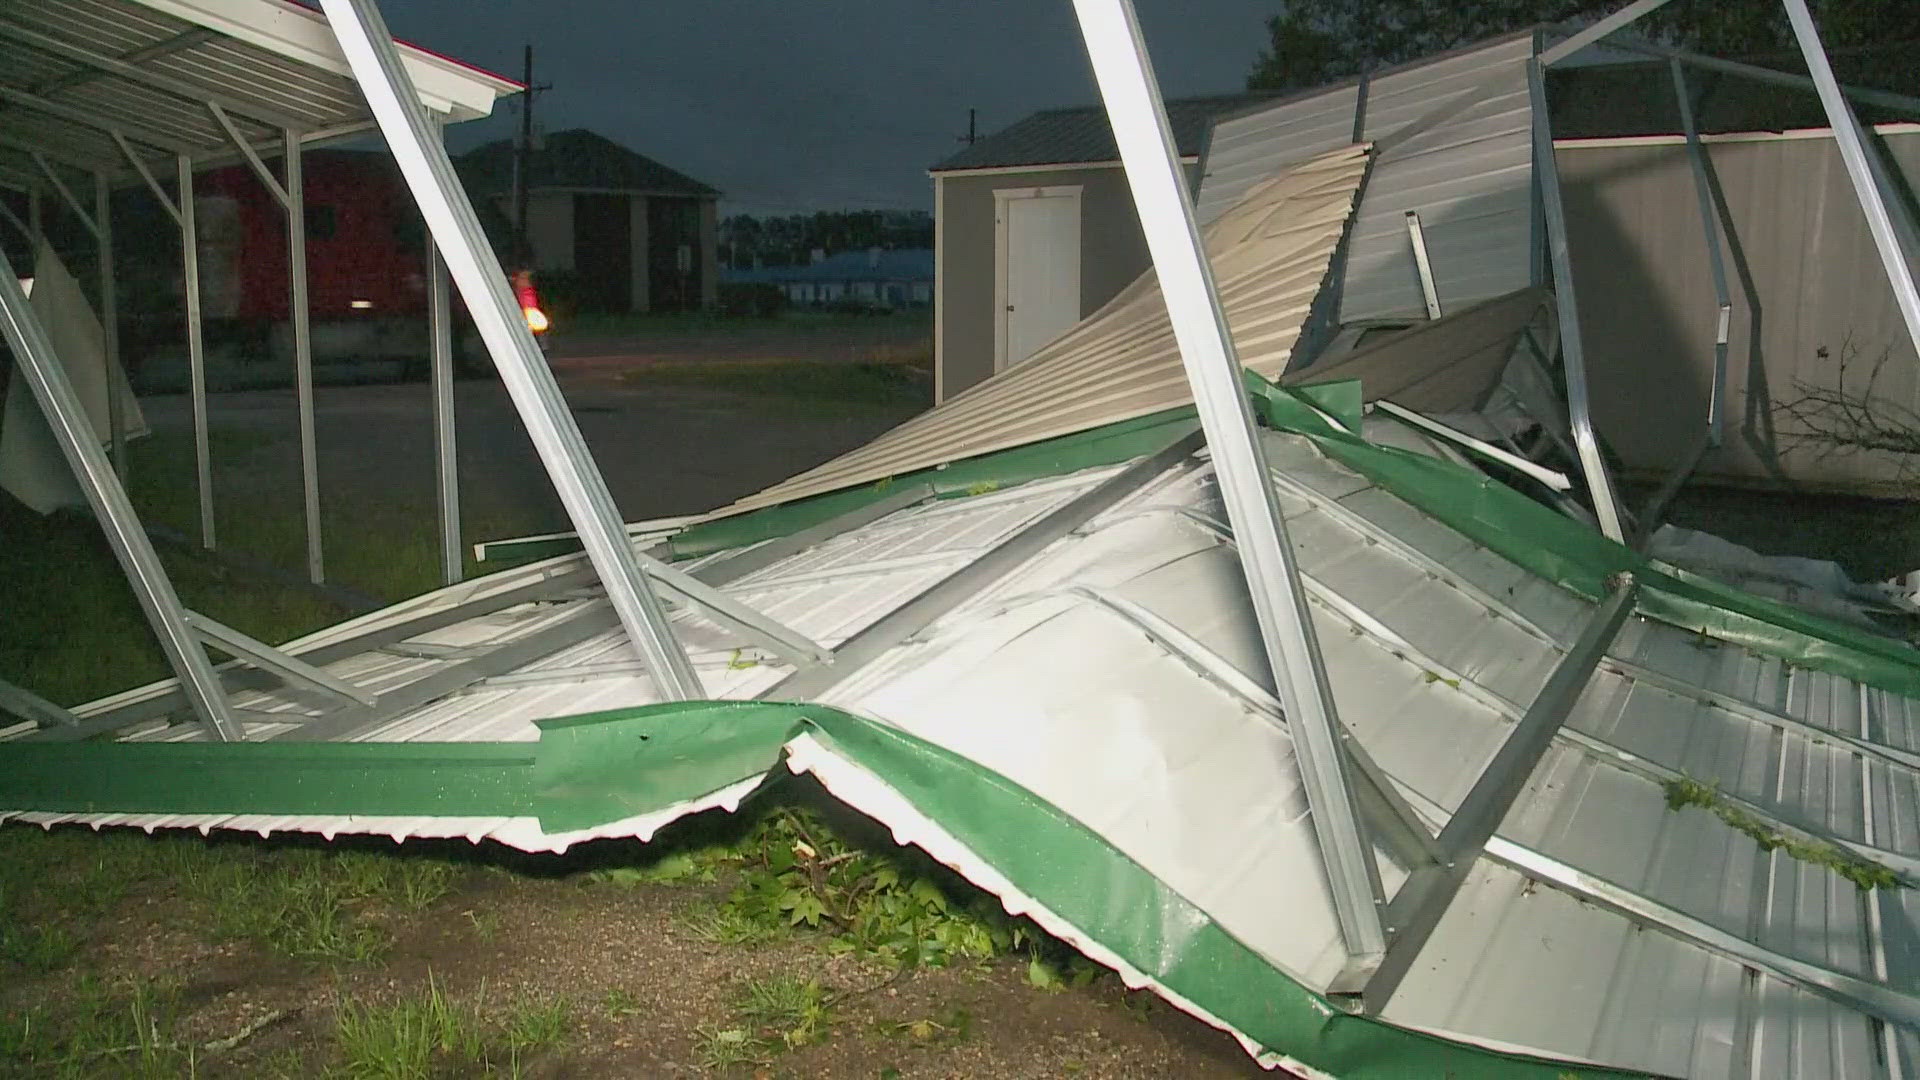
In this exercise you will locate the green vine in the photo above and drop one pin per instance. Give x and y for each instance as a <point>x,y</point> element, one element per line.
<point>1865,874</point>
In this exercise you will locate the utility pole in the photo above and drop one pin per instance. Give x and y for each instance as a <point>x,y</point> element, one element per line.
<point>971,134</point>
<point>523,165</point>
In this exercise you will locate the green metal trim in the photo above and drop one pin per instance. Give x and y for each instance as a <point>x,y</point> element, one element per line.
<point>1581,560</point>
<point>584,771</point>
<point>1084,880</point>
<point>594,769</point>
<point>1107,445</point>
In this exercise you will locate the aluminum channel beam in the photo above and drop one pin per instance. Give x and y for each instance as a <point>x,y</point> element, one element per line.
<point>1883,98</point>
<point>299,311</point>
<point>1606,505</point>
<point>1158,181</point>
<point>35,359</point>
<point>1619,20</point>
<point>266,657</point>
<point>446,451</point>
<point>376,66</point>
<point>1886,214</point>
<point>28,705</point>
<point>1557,481</point>
<point>1417,909</point>
<point>1429,291</point>
<point>196,350</point>
<point>110,323</point>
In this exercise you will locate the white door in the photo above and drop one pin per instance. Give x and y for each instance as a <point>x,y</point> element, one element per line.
<point>1039,262</point>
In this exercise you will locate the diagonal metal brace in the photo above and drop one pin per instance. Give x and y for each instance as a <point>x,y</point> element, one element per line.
<point>262,655</point>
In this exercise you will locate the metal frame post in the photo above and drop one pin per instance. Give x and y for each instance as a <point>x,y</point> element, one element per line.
<point>1132,96</point>
<point>1600,29</point>
<point>1593,465</point>
<point>1886,217</point>
<point>110,323</point>
<point>196,349</point>
<point>451,221</point>
<point>303,352</point>
<point>34,357</point>
<point>446,458</point>
<point>1429,289</point>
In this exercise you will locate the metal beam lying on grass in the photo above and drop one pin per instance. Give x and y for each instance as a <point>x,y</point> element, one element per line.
<point>370,52</point>
<point>34,357</point>
<point>1158,181</point>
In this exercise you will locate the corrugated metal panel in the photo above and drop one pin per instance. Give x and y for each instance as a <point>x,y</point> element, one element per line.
<point>266,82</point>
<point>1819,292</point>
<point>1269,258</point>
<point>1468,175</point>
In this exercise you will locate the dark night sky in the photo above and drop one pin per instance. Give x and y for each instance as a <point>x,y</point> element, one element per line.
<point>811,104</point>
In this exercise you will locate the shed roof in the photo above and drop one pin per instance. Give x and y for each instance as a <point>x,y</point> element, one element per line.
<point>74,74</point>
<point>575,159</point>
<point>1082,134</point>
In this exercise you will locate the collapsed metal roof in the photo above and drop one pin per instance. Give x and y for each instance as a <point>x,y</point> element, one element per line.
<point>1618,819</point>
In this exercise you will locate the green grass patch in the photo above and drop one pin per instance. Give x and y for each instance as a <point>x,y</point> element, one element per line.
<point>1864,873</point>
<point>99,1029</point>
<point>797,387</point>
<point>431,1034</point>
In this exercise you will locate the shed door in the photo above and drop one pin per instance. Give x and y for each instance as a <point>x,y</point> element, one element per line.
<point>1039,261</point>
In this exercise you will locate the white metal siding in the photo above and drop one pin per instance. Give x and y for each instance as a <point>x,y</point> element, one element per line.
<point>1469,176</point>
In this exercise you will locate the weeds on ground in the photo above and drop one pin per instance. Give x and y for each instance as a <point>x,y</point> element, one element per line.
<point>1865,874</point>
<point>311,904</point>
<point>428,1034</point>
<point>785,1007</point>
<point>100,1029</point>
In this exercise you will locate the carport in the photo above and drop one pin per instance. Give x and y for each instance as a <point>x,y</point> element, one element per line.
<point>128,91</point>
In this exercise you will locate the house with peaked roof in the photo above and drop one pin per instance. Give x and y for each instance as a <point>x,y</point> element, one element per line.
<point>630,232</point>
<point>1034,229</point>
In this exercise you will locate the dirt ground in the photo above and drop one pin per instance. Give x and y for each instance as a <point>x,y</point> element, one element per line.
<point>604,975</point>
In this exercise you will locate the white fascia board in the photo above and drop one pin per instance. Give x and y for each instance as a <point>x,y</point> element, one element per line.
<point>301,34</point>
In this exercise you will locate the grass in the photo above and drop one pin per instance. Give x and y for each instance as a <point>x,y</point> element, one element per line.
<point>431,1034</point>
<point>798,387</point>
<point>119,1029</point>
<point>785,1006</point>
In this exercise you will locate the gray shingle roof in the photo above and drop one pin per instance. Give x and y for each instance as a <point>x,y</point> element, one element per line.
<point>574,159</point>
<point>1067,136</point>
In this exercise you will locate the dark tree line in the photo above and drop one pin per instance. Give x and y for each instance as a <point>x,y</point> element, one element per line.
<point>791,240</point>
<point>1311,42</point>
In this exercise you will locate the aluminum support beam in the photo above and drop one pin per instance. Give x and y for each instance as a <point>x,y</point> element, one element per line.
<point>1158,182</point>
<point>1864,95</point>
<point>1416,911</point>
<point>1619,20</point>
<point>1716,263</point>
<point>252,156</point>
<point>446,451</point>
<point>1886,214</point>
<point>1418,238</point>
<point>28,705</point>
<point>196,350</point>
<point>140,166</point>
<point>34,357</point>
<point>1593,465</point>
<point>1555,480</point>
<point>302,318</point>
<point>7,215</point>
<point>266,657</point>
<point>73,202</point>
<point>110,324</point>
<point>370,52</point>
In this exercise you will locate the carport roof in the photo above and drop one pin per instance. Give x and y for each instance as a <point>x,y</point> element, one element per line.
<point>79,76</point>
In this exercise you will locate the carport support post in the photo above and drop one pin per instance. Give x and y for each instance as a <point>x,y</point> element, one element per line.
<point>1125,77</point>
<point>1886,219</point>
<point>446,458</point>
<point>34,357</point>
<point>196,348</point>
<point>110,324</point>
<point>375,62</point>
<point>303,352</point>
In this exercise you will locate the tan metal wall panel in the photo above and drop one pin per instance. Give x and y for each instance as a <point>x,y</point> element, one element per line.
<point>1648,308</point>
<point>1270,256</point>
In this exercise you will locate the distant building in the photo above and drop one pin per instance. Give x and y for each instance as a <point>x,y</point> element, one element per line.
<point>876,277</point>
<point>631,233</point>
<point>1035,229</point>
